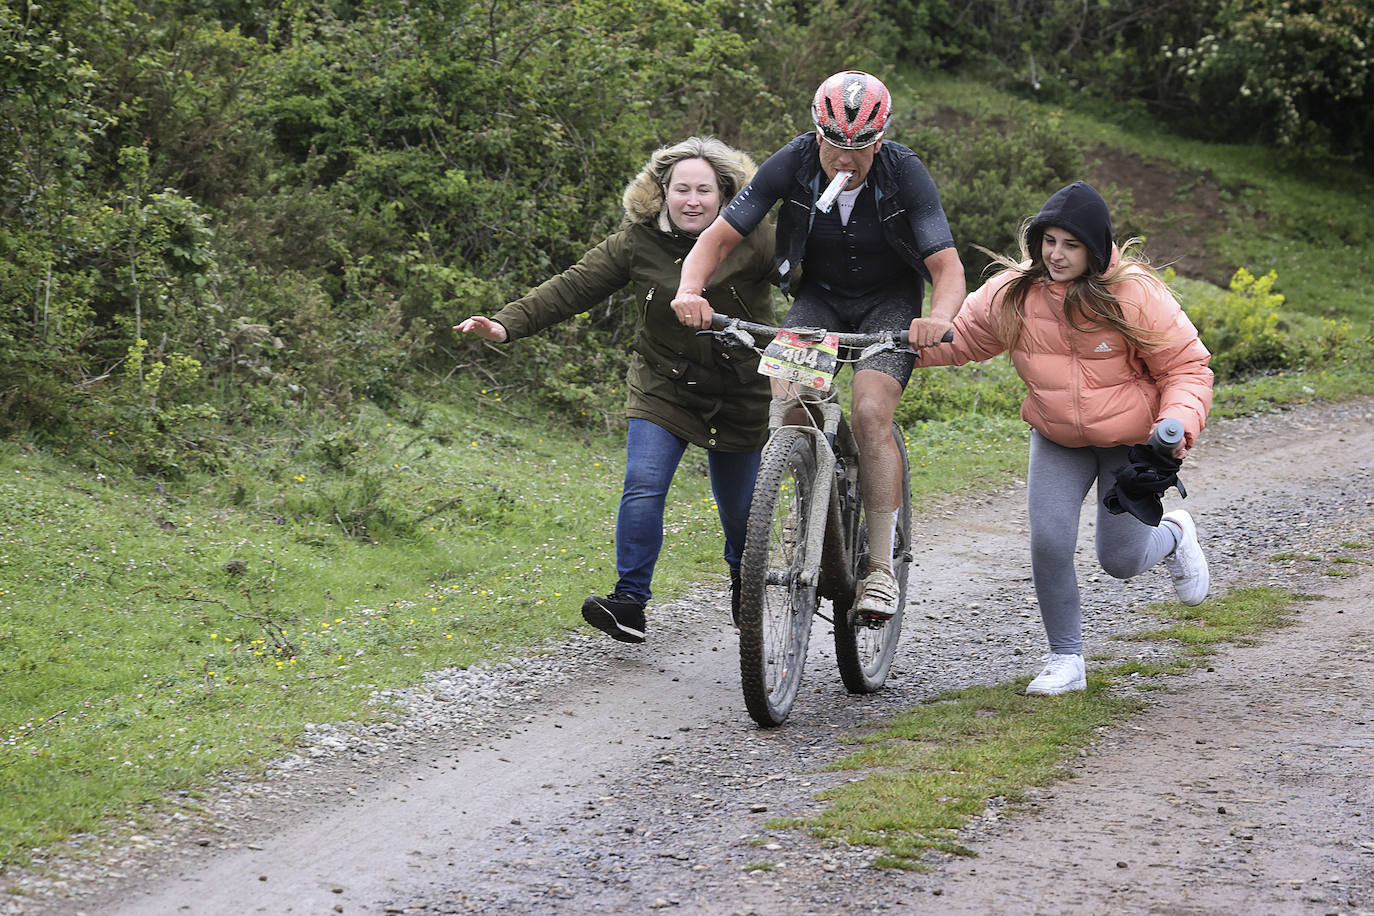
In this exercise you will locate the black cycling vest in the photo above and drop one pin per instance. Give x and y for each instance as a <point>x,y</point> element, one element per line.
<point>855,259</point>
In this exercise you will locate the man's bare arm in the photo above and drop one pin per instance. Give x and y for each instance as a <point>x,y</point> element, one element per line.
<point>947,293</point>
<point>712,247</point>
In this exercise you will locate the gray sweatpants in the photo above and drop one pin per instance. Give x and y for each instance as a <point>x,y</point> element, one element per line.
<point>1056,483</point>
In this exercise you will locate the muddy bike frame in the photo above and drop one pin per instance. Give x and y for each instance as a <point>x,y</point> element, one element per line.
<point>831,521</point>
<point>809,479</point>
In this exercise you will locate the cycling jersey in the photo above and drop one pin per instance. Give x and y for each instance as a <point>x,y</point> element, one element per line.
<point>906,215</point>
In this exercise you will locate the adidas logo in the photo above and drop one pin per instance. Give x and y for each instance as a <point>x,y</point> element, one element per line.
<point>1102,348</point>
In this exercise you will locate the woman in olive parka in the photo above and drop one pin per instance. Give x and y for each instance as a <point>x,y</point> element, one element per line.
<point>683,388</point>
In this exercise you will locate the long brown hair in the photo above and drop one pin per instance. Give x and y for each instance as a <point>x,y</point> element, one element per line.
<point>1089,302</point>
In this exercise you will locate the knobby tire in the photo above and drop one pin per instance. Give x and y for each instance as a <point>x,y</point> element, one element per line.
<point>864,654</point>
<point>775,610</point>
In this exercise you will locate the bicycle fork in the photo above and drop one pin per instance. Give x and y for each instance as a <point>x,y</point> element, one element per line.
<point>825,497</point>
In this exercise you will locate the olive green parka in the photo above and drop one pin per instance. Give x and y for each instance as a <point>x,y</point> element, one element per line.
<point>690,385</point>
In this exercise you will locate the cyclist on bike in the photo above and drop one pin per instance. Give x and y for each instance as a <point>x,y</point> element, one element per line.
<point>866,262</point>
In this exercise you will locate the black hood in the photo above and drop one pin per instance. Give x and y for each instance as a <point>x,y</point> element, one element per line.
<point>1080,210</point>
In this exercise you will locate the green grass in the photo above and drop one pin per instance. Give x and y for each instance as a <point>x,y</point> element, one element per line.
<point>151,636</point>
<point>949,456</point>
<point>927,772</point>
<point>1237,619</point>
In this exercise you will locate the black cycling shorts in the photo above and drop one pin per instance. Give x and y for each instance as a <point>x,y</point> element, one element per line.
<point>892,308</point>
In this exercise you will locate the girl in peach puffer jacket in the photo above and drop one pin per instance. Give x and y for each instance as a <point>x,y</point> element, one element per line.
<point>1106,353</point>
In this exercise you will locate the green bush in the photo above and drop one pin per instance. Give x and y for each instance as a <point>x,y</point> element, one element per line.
<point>49,120</point>
<point>1298,72</point>
<point>990,388</point>
<point>151,419</point>
<point>304,198</point>
<point>991,181</point>
<point>1248,335</point>
<point>1243,329</point>
<point>1295,72</point>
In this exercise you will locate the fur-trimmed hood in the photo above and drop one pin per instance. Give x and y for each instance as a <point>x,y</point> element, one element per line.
<point>643,199</point>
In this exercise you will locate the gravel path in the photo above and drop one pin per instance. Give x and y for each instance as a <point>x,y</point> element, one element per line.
<point>606,778</point>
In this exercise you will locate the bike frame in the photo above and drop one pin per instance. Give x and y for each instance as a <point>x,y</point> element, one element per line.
<point>828,527</point>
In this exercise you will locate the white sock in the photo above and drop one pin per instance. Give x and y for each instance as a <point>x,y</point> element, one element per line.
<point>882,533</point>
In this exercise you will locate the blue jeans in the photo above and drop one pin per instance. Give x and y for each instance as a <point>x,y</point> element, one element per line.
<point>652,455</point>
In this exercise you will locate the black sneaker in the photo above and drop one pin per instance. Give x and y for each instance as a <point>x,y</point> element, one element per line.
<point>734,595</point>
<point>617,614</point>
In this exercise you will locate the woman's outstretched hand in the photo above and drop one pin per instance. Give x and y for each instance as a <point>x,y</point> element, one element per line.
<point>484,328</point>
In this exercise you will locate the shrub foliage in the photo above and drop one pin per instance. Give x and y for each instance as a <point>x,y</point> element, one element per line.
<point>303,197</point>
<point>1294,72</point>
<point>287,206</point>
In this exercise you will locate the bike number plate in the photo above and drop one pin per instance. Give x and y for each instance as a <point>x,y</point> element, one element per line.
<point>807,361</point>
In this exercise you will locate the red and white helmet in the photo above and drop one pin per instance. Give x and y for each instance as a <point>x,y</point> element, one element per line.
<point>851,109</point>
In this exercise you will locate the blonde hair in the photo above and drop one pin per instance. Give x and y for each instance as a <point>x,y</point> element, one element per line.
<point>1090,300</point>
<point>645,195</point>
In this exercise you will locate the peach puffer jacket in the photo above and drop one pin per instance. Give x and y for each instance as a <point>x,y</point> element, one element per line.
<point>1090,387</point>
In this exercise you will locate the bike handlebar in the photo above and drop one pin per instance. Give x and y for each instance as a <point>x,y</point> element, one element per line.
<point>719,322</point>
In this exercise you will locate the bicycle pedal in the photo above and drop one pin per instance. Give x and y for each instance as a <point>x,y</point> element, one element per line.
<point>872,621</point>
<point>857,618</point>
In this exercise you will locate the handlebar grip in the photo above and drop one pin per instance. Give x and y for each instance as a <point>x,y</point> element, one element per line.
<point>900,337</point>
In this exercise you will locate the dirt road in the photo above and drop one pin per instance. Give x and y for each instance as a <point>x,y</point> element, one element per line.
<point>630,780</point>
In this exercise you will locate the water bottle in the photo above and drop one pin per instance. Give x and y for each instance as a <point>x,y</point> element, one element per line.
<point>1166,436</point>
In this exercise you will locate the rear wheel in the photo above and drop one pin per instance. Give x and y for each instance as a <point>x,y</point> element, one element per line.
<point>864,654</point>
<point>775,607</point>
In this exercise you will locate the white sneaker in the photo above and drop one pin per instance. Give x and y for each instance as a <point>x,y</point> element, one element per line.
<point>1062,674</point>
<point>1187,565</point>
<point>877,596</point>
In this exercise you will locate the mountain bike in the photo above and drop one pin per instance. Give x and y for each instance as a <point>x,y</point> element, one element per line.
<point>807,538</point>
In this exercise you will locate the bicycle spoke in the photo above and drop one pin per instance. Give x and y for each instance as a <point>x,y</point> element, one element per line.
<point>775,605</point>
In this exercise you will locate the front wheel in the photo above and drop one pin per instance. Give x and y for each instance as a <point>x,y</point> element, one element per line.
<point>864,654</point>
<point>775,606</point>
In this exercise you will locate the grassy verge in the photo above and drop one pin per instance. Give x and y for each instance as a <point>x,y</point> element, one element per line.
<point>151,636</point>
<point>930,770</point>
